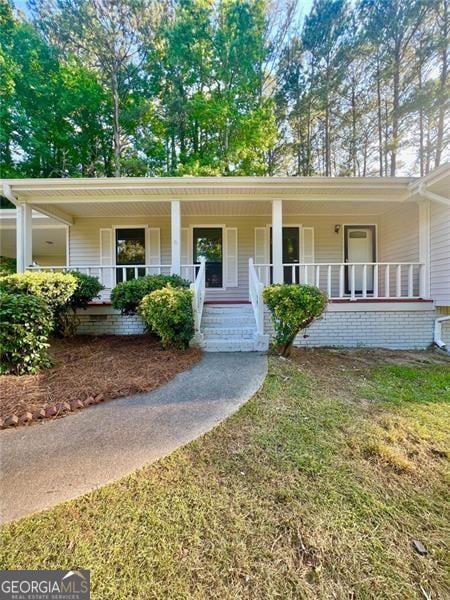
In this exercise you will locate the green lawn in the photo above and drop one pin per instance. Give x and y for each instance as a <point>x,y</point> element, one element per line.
<point>315,489</point>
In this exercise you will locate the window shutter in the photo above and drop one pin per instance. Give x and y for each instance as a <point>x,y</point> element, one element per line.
<point>307,245</point>
<point>262,252</point>
<point>153,249</point>
<point>186,272</point>
<point>106,257</point>
<point>231,261</point>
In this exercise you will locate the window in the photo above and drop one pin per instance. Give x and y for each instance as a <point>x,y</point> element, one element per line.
<point>130,250</point>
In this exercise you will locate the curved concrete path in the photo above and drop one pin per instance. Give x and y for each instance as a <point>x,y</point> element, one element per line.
<point>45,464</point>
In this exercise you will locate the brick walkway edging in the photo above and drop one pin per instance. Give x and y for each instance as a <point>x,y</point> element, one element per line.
<point>52,411</point>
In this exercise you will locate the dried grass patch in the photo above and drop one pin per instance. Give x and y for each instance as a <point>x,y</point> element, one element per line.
<point>114,366</point>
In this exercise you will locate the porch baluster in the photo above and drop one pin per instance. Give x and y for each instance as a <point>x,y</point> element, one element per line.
<point>410,281</point>
<point>341,281</point>
<point>398,291</point>
<point>387,282</point>
<point>329,281</point>
<point>352,283</point>
<point>364,286</point>
<point>375,281</point>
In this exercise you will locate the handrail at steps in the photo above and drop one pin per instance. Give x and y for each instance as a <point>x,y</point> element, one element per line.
<point>198,295</point>
<point>256,288</point>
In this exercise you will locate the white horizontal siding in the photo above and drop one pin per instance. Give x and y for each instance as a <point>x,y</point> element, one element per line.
<point>399,234</point>
<point>440,253</point>
<point>397,238</point>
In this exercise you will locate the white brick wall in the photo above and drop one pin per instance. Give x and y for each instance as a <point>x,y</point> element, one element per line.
<point>397,330</point>
<point>110,324</point>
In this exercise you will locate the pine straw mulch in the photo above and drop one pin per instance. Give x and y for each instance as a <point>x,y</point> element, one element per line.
<point>83,366</point>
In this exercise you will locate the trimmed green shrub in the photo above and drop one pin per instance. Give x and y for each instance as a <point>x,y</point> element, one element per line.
<point>293,307</point>
<point>126,296</point>
<point>88,288</point>
<point>55,288</point>
<point>25,324</point>
<point>7,265</point>
<point>168,313</point>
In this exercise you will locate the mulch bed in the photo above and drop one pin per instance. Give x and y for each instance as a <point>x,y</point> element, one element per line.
<point>86,367</point>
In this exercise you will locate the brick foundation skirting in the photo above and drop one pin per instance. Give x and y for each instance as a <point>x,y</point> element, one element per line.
<point>396,330</point>
<point>110,324</point>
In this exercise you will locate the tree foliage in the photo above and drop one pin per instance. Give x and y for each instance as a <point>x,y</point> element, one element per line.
<point>223,87</point>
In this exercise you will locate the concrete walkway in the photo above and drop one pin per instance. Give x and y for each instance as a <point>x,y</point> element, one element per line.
<point>45,464</point>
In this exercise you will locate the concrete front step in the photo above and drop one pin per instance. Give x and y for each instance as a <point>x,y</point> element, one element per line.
<point>228,322</point>
<point>218,345</point>
<point>231,312</point>
<point>230,328</point>
<point>225,331</point>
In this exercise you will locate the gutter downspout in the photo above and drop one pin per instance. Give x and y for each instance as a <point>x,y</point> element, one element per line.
<point>438,332</point>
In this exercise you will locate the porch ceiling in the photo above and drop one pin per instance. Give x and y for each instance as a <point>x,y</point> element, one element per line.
<point>244,208</point>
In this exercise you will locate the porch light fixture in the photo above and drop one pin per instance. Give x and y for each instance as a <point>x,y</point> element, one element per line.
<point>337,228</point>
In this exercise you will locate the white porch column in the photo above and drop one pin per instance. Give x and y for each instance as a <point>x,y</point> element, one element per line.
<point>24,237</point>
<point>277,241</point>
<point>28,237</point>
<point>175,215</point>
<point>20,235</point>
<point>424,247</point>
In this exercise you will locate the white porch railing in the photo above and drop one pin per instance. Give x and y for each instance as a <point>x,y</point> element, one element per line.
<point>107,275</point>
<point>256,288</point>
<point>198,294</point>
<point>383,280</point>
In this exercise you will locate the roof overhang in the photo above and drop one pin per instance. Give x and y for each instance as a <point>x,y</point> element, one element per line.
<point>207,188</point>
<point>64,199</point>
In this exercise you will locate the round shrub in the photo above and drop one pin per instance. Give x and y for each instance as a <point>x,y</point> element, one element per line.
<point>168,313</point>
<point>55,288</point>
<point>25,324</point>
<point>293,307</point>
<point>88,288</point>
<point>127,296</point>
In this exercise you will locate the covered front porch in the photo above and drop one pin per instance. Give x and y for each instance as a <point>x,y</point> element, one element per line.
<point>356,239</point>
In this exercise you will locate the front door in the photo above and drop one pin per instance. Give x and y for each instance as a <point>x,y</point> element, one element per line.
<point>291,252</point>
<point>359,247</point>
<point>208,244</point>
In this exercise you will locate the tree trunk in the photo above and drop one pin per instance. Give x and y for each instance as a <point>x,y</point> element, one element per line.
<point>116,124</point>
<point>421,137</point>
<point>395,111</point>
<point>380,121</point>
<point>353,145</point>
<point>443,87</point>
<point>327,141</point>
